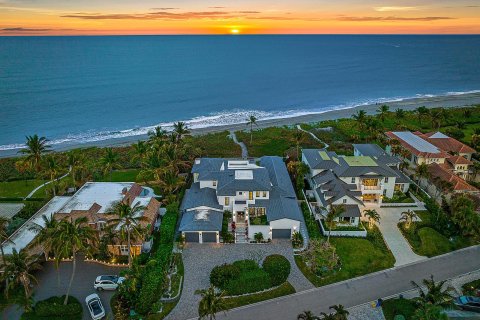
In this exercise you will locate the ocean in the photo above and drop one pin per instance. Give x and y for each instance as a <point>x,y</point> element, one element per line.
<point>75,90</point>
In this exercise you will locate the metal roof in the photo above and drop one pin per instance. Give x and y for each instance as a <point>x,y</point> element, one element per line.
<point>416,142</point>
<point>369,149</point>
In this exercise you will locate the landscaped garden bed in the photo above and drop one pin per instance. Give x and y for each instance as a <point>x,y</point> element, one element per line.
<point>282,290</point>
<point>471,288</point>
<point>343,227</point>
<point>54,309</point>
<point>398,307</point>
<point>247,276</point>
<point>398,197</point>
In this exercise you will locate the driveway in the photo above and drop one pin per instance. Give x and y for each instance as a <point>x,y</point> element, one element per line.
<point>82,286</point>
<point>199,260</point>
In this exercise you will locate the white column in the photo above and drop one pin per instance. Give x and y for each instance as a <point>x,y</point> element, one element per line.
<point>200,237</point>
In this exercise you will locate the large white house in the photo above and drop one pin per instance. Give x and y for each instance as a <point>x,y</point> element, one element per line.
<point>260,197</point>
<point>353,181</point>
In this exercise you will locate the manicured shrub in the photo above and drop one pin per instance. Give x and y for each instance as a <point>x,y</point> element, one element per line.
<point>248,282</point>
<point>277,267</point>
<point>246,265</point>
<point>53,308</point>
<point>221,275</point>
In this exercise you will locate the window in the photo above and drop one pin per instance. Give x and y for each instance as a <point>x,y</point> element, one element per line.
<point>257,194</point>
<point>123,249</point>
<point>250,195</point>
<point>264,194</point>
<point>386,179</point>
<point>344,200</point>
<point>227,201</point>
<point>214,183</point>
<point>353,180</point>
<point>385,192</point>
<point>240,193</point>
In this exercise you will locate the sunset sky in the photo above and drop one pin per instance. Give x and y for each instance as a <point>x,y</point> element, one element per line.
<point>95,17</point>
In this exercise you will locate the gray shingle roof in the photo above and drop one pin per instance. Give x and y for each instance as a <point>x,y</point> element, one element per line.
<point>351,210</point>
<point>196,197</point>
<point>228,185</point>
<point>336,189</point>
<point>402,178</point>
<point>316,161</point>
<point>369,149</point>
<point>344,170</point>
<point>210,221</point>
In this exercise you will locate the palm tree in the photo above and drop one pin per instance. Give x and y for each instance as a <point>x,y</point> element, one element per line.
<point>421,172</point>
<point>435,294</point>
<point>169,181</point>
<point>383,111</point>
<point>212,302</point>
<point>299,137</point>
<point>251,120</point>
<point>109,161</point>
<point>71,237</point>
<point>4,237</point>
<point>421,113</point>
<point>333,213</point>
<point>35,148</point>
<point>180,129</point>
<point>429,312</point>
<point>129,220</point>
<point>360,117</point>
<point>436,118</point>
<point>475,140</point>
<point>408,216</point>
<point>340,312</point>
<point>140,149</point>
<point>400,113</point>
<point>76,162</point>
<point>373,217</point>
<point>307,315</point>
<point>46,234</point>
<point>17,268</point>
<point>51,169</point>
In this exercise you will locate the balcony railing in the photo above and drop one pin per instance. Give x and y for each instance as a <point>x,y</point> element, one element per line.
<point>377,187</point>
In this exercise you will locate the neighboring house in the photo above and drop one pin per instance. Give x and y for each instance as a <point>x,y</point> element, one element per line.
<point>260,197</point>
<point>95,201</point>
<point>436,147</point>
<point>353,181</point>
<point>440,173</point>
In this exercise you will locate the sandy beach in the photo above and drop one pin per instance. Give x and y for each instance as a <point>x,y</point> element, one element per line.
<point>449,101</point>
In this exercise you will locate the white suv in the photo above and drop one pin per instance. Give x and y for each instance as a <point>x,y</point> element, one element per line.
<point>107,282</point>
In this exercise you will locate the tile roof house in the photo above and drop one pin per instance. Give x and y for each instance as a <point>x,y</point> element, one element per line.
<point>95,200</point>
<point>260,196</point>
<point>353,181</point>
<point>459,185</point>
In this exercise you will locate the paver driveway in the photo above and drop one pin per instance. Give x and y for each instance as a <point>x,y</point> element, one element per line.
<point>199,260</point>
<point>82,284</point>
<point>389,219</point>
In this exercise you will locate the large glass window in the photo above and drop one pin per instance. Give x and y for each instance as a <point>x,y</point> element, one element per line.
<point>227,201</point>
<point>250,195</point>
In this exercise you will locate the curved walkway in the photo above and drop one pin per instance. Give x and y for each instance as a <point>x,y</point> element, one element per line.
<point>240,143</point>
<point>313,136</point>
<point>48,182</point>
<point>199,260</point>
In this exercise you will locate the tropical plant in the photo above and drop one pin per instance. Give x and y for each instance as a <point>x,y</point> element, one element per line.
<point>436,116</point>
<point>46,234</point>
<point>129,220</point>
<point>421,172</point>
<point>408,216</point>
<point>297,239</point>
<point>436,294</point>
<point>76,162</point>
<point>139,151</point>
<point>429,312</point>
<point>299,137</point>
<point>35,148</point>
<point>334,212</point>
<point>400,113</point>
<point>422,112</point>
<point>360,118</point>
<point>52,168</point>
<point>475,140</point>
<point>340,312</point>
<point>383,111</point>
<point>109,162</point>
<point>180,129</point>
<point>17,270</point>
<point>373,216</point>
<point>211,303</point>
<point>71,237</point>
<point>251,120</point>
<point>307,315</point>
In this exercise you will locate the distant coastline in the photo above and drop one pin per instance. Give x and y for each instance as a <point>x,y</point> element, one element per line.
<point>448,101</point>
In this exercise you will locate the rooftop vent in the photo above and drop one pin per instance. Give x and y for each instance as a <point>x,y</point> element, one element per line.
<point>243,175</point>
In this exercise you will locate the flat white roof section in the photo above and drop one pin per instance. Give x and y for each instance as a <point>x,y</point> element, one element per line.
<point>103,193</point>
<point>416,142</point>
<point>23,236</point>
<point>243,175</point>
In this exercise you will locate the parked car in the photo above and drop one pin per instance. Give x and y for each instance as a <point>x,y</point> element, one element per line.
<point>95,306</point>
<point>468,303</point>
<point>107,282</point>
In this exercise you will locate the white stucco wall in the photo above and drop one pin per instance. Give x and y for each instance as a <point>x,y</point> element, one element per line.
<point>207,184</point>
<point>285,224</point>
<point>265,230</point>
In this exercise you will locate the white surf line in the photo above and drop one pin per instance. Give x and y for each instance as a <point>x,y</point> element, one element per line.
<point>313,136</point>
<point>48,182</point>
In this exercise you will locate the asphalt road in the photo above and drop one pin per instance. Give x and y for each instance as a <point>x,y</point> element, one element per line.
<point>361,290</point>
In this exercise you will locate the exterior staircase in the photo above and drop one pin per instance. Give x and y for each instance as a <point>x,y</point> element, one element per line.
<point>240,233</point>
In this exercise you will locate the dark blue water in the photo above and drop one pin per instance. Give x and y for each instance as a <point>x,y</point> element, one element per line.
<point>80,89</point>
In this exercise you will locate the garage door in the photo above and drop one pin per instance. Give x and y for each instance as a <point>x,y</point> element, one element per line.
<point>281,233</point>
<point>192,237</point>
<point>209,236</point>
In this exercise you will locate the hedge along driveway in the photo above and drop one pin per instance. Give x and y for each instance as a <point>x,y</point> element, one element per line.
<point>200,259</point>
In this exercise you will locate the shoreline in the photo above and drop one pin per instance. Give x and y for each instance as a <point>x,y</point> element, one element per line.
<point>447,101</point>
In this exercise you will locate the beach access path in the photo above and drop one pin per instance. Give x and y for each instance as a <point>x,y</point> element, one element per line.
<point>240,143</point>
<point>313,136</point>
<point>46,183</point>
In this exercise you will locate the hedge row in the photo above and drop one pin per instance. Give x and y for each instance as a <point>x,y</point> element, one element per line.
<point>153,276</point>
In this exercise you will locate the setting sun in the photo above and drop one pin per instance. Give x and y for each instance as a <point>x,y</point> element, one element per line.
<point>234,31</point>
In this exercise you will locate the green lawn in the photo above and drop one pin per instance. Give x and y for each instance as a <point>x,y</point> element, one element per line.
<point>274,141</point>
<point>282,290</point>
<point>127,175</point>
<point>18,188</point>
<point>393,307</point>
<point>358,257</point>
